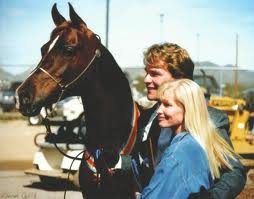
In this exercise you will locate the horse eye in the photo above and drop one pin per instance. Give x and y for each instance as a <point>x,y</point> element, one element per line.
<point>68,51</point>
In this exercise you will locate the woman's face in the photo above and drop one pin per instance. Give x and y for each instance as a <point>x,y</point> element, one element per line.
<point>171,114</point>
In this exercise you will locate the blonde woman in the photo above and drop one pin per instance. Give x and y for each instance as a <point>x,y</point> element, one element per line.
<point>196,153</point>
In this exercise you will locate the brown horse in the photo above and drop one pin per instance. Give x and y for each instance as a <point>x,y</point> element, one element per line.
<point>74,62</point>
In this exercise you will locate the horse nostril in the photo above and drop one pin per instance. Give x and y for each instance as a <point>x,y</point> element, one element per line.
<point>24,98</point>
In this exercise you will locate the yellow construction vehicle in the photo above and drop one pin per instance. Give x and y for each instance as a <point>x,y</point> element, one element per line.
<point>239,116</point>
<point>240,133</point>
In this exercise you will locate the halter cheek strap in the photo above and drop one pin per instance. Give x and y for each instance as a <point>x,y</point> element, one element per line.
<point>58,82</point>
<point>63,87</point>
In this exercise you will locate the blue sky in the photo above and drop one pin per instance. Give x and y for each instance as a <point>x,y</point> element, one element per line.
<point>25,25</point>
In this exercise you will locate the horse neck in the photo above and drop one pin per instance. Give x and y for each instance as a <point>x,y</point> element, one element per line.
<point>107,103</point>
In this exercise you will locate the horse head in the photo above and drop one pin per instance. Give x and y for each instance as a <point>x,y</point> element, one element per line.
<point>68,53</point>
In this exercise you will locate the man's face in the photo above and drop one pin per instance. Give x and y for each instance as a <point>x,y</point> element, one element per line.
<point>155,75</point>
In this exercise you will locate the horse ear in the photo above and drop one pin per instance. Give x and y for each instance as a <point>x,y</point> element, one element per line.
<point>74,16</point>
<point>57,17</point>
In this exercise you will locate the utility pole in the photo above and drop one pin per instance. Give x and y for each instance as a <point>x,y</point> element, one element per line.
<point>161,27</point>
<point>107,23</point>
<point>198,48</point>
<point>236,68</point>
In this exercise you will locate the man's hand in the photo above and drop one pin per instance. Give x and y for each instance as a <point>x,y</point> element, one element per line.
<point>202,194</point>
<point>110,156</point>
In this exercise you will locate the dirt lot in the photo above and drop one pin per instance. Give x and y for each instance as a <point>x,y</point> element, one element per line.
<point>16,153</point>
<point>16,142</point>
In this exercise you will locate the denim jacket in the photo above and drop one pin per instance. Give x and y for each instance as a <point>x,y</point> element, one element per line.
<point>182,170</point>
<point>231,182</point>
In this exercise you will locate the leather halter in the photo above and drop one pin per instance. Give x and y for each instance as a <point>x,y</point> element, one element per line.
<point>63,88</point>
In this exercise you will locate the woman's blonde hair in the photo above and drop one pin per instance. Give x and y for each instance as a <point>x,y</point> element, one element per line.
<point>197,122</point>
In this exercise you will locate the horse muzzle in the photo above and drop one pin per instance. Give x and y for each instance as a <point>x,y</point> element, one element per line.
<point>25,104</point>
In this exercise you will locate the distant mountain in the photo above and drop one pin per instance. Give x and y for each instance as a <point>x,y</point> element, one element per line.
<point>229,65</point>
<point>5,75</point>
<point>22,76</point>
<point>211,64</point>
<point>205,63</point>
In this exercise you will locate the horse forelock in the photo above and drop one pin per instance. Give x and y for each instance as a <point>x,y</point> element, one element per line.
<point>73,32</point>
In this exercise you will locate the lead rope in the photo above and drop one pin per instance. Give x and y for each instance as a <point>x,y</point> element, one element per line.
<point>68,176</point>
<point>48,130</point>
<point>47,125</point>
<point>97,156</point>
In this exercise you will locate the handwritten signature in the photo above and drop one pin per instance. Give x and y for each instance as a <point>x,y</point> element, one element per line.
<point>19,195</point>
